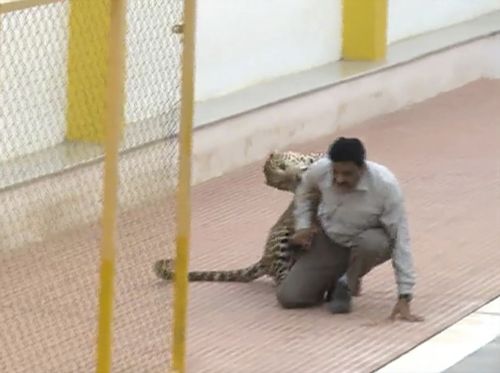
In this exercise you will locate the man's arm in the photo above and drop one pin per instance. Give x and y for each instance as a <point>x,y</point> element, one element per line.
<point>395,222</point>
<point>307,196</point>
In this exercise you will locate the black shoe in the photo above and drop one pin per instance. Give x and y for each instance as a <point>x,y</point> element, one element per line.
<point>342,299</point>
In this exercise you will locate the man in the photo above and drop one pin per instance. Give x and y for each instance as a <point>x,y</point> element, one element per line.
<point>360,223</point>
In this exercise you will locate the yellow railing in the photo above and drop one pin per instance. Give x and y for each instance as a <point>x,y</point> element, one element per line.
<point>184,190</point>
<point>113,124</point>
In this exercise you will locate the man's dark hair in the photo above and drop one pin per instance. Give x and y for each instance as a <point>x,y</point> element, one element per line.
<point>346,149</point>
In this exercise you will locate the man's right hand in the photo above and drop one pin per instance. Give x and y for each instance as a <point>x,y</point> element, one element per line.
<point>303,237</point>
<point>402,308</point>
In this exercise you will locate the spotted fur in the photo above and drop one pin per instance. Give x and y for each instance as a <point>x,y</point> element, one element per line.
<point>282,170</point>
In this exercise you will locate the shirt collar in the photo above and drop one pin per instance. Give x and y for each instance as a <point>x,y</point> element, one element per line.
<point>363,181</point>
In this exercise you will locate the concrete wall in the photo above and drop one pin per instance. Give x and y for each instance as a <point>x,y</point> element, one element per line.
<point>492,62</point>
<point>408,18</point>
<point>321,113</point>
<point>32,79</point>
<point>238,44</point>
<point>241,43</point>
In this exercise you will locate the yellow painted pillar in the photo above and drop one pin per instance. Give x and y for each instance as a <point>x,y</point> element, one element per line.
<point>88,52</point>
<point>364,30</point>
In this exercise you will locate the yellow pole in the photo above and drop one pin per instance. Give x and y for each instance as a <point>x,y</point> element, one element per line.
<point>184,190</point>
<point>113,127</point>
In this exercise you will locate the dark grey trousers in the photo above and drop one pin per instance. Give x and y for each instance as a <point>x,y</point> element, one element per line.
<point>318,269</point>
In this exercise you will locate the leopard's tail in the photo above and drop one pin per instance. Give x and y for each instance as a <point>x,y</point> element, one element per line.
<point>164,269</point>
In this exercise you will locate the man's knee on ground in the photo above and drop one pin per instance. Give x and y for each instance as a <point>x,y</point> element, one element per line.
<point>289,297</point>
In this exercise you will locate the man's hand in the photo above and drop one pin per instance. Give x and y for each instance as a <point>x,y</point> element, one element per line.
<point>402,308</point>
<point>303,237</point>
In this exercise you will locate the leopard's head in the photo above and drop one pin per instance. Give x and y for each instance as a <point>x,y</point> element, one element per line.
<point>283,169</point>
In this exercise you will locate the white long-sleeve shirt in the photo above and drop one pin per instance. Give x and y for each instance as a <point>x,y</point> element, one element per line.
<point>377,201</point>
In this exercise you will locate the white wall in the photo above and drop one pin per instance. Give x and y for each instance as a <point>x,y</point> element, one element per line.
<point>493,62</point>
<point>241,42</point>
<point>408,18</point>
<point>32,79</point>
<point>153,58</point>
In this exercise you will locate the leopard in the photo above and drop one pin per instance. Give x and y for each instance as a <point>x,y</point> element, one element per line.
<point>283,171</point>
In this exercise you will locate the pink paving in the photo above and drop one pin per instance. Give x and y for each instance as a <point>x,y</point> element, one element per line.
<point>446,154</point>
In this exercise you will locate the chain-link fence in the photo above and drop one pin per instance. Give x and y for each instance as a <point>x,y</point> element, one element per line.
<point>53,74</point>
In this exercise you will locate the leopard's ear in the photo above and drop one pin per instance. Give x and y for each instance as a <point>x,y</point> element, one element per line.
<point>272,153</point>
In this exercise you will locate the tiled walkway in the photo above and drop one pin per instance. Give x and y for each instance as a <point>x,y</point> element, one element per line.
<point>446,154</point>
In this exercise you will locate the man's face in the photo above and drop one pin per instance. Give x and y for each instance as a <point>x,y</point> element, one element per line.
<point>346,175</point>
